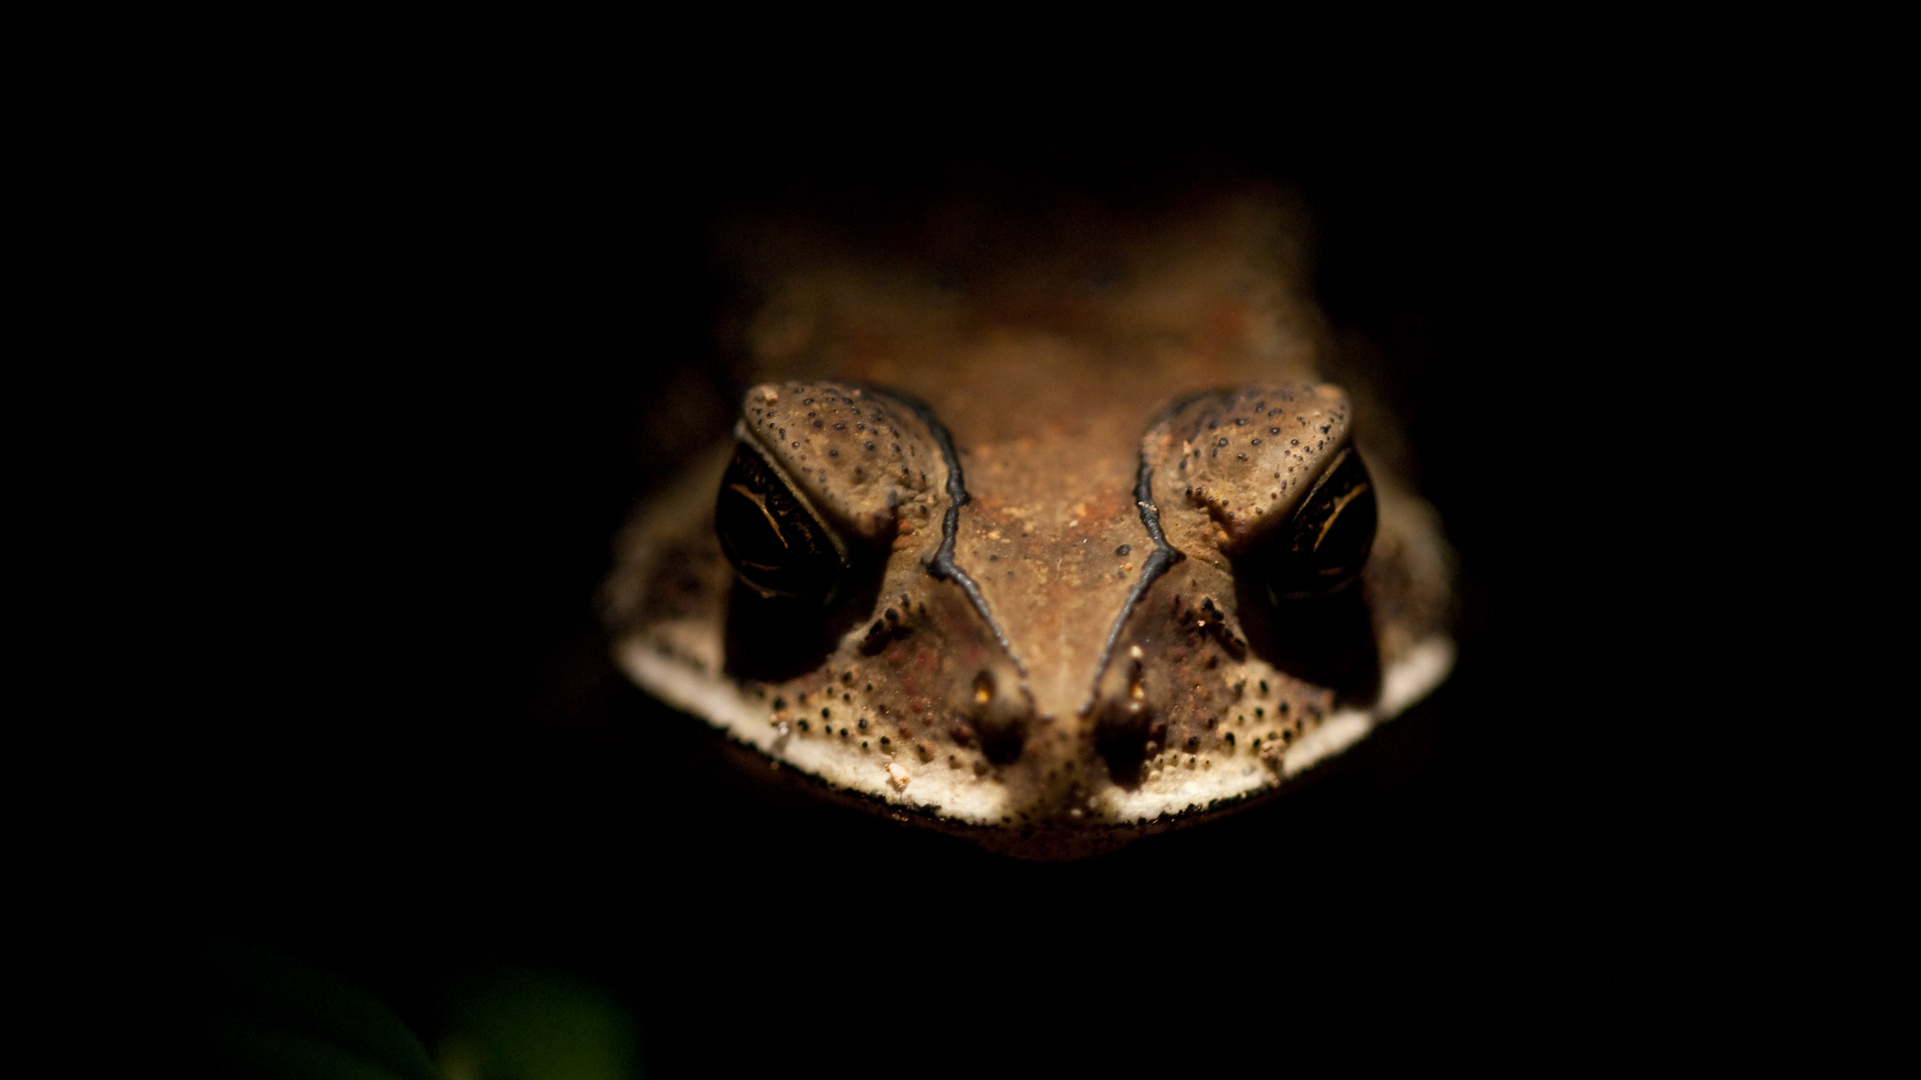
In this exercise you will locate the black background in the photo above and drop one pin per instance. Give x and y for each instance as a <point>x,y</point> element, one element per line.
<point>412,762</point>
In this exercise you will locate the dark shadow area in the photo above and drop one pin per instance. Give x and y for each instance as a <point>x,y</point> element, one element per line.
<point>1327,640</point>
<point>400,751</point>
<point>1121,739</point>
<point>1002,741</point>
<point>772,639</point>
<point>1124,751</point>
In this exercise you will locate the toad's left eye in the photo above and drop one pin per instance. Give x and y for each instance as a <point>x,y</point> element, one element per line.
<point>777,543</point>
<point>822,476</point>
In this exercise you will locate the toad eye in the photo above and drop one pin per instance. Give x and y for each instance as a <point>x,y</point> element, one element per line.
<point>1269,477</point>
<point>1323,547</point>
<point>779,546</point>
<point>821,478</point>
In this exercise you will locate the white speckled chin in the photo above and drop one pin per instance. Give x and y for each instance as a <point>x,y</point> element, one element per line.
<point>962,797</point>
<point>954,794</point>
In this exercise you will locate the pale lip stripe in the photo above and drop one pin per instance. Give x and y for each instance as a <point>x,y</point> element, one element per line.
<point>1405,682</point>
<point>960,796</point>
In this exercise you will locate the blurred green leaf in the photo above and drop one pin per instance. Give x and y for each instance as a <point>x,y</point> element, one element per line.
<point>524,1026</point>
<point>256,1012</point>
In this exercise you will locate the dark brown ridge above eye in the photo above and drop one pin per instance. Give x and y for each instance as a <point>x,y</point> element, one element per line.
<point>1323,547</point>
<point>778,546</point>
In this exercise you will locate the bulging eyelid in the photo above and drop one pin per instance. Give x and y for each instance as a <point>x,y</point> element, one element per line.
<point>1245,456</point>
<point>865,456</point>
<point>861,456</point>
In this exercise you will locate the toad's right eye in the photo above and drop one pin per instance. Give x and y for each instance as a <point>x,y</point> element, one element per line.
<point>779,546</point>
<point>1273,471</point>
<point>1323,546</point>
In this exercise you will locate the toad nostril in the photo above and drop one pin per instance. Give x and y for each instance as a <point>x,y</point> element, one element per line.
<point>1126,734</point>
<point>999,718</point>
<point>1002,738</point>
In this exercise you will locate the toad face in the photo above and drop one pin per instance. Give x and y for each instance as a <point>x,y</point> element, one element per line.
<point>1052,564</point>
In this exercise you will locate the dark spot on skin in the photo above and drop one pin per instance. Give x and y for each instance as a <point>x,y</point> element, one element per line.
<point>803,725</point>
<point>1121,738</point>
<point>823,714</point>
<point>884,740</point>
<point>1193,741</point>
<point>862,724</point>
<point>1002,743</point>
<point>1124,549</point>
<point>780,703</point>
<point>839,426</point>
<point>843,733</point>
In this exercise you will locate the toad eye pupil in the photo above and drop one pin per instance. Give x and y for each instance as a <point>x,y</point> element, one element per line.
<point>1324,546</point>
<point>776,543</point>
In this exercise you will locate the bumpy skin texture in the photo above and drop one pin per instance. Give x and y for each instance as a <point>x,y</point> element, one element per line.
<point>857,457</point>
<point>1048,637</point>
<point>1247,455</point>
